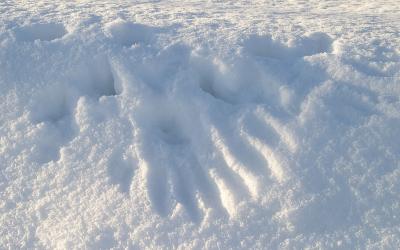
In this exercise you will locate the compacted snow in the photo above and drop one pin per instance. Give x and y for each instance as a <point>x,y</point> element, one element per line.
<point>199,124</point>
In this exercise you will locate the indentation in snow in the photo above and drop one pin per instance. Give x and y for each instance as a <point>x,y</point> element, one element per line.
<point>120,169</point>
<point>95,78</point>
<point>128,33</point>
<point>51,103</point>
<point>40,31</point>
<point>54,106</point>
<point>172,169</point>
<point>194,151</point>
<point>266,46</point>
<point>190,151</point>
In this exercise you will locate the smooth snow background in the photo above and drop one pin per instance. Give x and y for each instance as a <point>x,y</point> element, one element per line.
<point>164,124</point>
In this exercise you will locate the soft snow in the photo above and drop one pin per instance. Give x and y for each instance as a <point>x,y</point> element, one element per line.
<point>199,124</point>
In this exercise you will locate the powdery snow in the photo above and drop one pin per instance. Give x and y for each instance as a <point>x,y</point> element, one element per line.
<point>199,124</point>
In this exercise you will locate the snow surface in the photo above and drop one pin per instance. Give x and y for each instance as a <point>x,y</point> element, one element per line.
<point>199,124</point>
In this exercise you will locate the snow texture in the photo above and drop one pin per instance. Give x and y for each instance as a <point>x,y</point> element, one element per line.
<point>199,124</point>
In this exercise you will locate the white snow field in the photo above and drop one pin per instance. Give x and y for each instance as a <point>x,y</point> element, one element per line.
<point>199,124</point>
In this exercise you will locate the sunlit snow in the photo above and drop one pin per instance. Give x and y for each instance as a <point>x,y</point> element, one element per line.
<point>199,124</point>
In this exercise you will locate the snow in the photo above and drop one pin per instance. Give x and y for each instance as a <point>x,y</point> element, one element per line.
<point>199,124</point>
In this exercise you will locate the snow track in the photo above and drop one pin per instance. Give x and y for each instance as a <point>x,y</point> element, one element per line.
<point>188,127</point>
